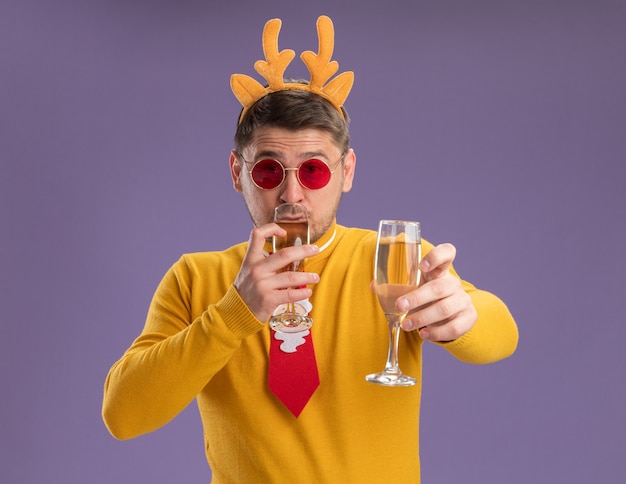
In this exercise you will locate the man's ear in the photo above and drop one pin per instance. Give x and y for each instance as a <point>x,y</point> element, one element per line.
<point>349,165</point>
<point>235,170</point>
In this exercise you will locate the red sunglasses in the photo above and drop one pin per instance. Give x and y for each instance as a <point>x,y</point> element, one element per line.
<point>268,173</point>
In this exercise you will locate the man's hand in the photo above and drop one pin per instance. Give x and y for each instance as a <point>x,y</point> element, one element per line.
<point>259,282</point>
<point>440,309</point>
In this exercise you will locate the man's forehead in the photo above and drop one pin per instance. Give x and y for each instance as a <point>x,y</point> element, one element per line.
<point>278,141</point>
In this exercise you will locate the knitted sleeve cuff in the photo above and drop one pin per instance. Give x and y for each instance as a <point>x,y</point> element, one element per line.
<point>236,314</point>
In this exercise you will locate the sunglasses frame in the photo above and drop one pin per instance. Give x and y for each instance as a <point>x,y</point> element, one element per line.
<point>285,170</point>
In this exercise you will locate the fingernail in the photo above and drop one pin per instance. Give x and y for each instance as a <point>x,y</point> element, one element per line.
<point>424,334</point>
<point>425,264</point>
<point>403,304</point>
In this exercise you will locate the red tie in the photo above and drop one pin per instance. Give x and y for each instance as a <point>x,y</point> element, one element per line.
<point>293,375</point>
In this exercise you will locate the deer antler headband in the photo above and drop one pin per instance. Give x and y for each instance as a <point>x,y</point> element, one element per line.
<point>248,91</point>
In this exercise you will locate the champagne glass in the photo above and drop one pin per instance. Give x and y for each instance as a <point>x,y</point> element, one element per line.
<point>291,317</point>
<point>398,253</point>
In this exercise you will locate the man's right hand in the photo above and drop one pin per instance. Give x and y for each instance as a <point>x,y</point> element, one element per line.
<point>261,284</point>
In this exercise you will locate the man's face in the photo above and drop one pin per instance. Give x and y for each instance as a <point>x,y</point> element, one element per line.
<point>292,148</point>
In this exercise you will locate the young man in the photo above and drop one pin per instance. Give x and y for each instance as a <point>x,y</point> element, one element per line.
<point>206,336</point>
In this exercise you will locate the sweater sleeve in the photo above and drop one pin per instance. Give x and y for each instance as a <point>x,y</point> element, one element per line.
<point>175,356</point>
<point>493,337</point>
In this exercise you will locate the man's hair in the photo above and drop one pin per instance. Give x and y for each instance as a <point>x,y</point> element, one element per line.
<point>294,110</point>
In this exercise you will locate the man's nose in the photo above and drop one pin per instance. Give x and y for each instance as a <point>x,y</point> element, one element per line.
<point>292,191</point>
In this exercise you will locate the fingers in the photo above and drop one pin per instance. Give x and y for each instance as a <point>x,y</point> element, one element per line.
<point>288,255</point>
<point>261,283</point>
<point>451,329</point>
<point>449,310</point>
<point>438,261</point>
<point>258,236</point>
<point>293,281</point>
<point>280,288</point>
<point>430,292</point>
<point>440,309</point>
<point>282,258</point>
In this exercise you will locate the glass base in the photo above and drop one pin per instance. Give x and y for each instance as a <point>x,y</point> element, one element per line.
<point>290,323</point>
<point>391,379</point>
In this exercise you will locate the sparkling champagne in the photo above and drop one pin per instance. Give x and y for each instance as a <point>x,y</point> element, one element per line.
<point>396,266</point>
<point>297,234</point>
<point>388,294</point>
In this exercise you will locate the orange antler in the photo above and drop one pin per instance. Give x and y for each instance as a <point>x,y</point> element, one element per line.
<point>248,91</point>
<point>274,68</point>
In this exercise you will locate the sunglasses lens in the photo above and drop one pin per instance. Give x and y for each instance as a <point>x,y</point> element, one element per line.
<point>267,174</point>
<point>314,174</point>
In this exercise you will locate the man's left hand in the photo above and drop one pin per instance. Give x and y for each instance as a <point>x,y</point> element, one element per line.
<point>439,308</point>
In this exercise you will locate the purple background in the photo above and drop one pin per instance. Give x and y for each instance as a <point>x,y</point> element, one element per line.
<point>499,125</point>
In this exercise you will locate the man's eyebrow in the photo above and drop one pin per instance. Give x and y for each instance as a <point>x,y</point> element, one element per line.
<point>279,155</point>
<point>314,154</point>
<point>268,154</point>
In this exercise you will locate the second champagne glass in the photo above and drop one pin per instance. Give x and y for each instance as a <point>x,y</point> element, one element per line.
<point>398,253</point>
<point>291,317</point>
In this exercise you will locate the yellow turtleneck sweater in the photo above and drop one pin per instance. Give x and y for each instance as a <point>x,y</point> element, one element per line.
<point>201,341</point>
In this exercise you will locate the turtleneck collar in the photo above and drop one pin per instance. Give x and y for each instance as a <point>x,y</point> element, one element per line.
<point>328,238</point>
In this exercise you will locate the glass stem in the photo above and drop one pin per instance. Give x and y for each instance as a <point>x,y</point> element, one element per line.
<point>394,338</point>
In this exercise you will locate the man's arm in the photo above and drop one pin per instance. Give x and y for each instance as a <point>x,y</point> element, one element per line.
<point>178,353</point>
<point>173,358</point>
<point>474,325</point>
